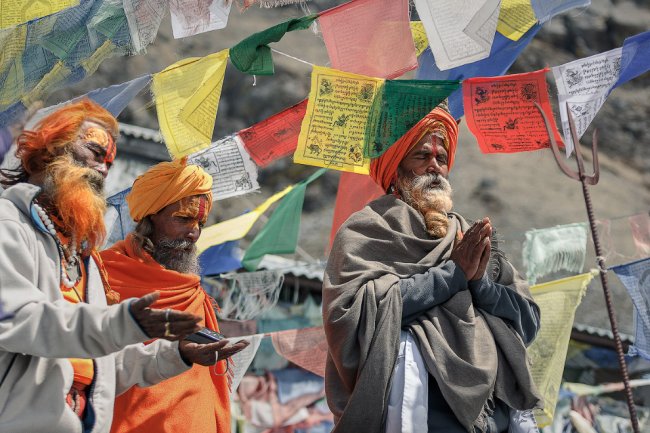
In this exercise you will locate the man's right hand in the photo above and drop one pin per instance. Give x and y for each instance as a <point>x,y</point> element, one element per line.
<point>472,252</point>
<point>168,324</point>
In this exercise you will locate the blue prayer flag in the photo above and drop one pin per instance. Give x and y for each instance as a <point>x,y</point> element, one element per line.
<point>117,218</point>
<point>636,278</point>
<point>116,98</point>
<point>502,55</point>
<point>635,59</point>
<point>219,259</point>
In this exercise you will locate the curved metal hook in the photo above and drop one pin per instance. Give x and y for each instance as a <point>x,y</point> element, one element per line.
<point>580,175</point>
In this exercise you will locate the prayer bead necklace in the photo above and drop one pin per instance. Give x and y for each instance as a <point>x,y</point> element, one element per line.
<point>72,259</point>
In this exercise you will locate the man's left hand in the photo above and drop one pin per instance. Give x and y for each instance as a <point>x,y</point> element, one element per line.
<point>209,354</point>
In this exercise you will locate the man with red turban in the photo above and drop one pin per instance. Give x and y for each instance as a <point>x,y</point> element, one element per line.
<point>65,350</point>
<point>170,203</point>
<point>427,322</point>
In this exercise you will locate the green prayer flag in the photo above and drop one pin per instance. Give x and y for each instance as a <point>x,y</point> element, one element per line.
<point>401,104</point>
<point>280,234</point>
<point>253,54</point>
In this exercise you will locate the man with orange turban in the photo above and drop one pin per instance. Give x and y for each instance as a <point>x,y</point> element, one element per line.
<point>65,351</point>
<point>427,322</point>
<point>170,203</point>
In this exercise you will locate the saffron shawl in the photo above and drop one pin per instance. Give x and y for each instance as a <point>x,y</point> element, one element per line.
<point>197,400</point>
<point>473,356</point>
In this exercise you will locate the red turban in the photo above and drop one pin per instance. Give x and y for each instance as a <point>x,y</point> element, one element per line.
<point>383,170</point>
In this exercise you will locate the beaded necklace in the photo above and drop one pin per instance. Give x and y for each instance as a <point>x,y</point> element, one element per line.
<point>69,265</point>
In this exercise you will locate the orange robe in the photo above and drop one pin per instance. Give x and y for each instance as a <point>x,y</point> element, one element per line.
<point>195,401</point>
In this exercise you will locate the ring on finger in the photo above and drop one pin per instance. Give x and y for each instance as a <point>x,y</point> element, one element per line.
<point>168,332</point>
<point>167,311</point>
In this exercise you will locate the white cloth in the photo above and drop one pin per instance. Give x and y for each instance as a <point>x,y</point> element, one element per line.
<point>408,402</point>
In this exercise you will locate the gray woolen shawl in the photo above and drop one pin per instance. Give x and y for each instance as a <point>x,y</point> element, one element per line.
<point>472,355</point>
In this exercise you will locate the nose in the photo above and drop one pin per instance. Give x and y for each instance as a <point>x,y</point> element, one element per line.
<point>194,233</point>
<point>433,166</point>
<point>102,169</point>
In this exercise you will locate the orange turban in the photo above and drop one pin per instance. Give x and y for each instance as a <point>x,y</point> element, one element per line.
<point>383,170</point>
<point>167,183</point>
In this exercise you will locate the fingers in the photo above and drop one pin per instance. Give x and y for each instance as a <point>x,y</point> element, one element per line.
<point>144,302</point>
<point>484,259</point>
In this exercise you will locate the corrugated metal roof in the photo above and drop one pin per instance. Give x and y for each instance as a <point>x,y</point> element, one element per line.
<point>600,332</point>
<point>313,270</point>
<point>140,132</point>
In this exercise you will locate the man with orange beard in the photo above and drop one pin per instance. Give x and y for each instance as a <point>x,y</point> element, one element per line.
<point>170,203</point>
<point>427,322</point>
<point>65,353</point>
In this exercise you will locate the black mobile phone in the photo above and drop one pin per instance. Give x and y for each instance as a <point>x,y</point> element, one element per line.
<point>205,336</point>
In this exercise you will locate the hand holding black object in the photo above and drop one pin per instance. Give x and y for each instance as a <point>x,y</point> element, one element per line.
<point>209,354</point>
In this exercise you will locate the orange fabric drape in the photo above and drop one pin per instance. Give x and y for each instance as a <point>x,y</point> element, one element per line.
<point>383,170</point>
<point>197,400</point>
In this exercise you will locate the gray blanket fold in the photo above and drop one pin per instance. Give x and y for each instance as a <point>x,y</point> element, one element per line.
<point>473,356</point>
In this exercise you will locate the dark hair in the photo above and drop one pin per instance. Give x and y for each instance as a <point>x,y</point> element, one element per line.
<point>142,235</point>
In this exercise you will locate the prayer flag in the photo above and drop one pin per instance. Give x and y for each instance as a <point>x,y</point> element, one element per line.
<point>15,12</point>
<point>583,86</point>
<point>553,249</point>
<point>419,37</point>
<point>236,228</point>
<point>191,17</point>
<point>635,59</point>
<point>547,9</point>
<point>114,98</point>
<point>557,301</point>
<point>635,276</point>
<point>219,259</point>
<point>333,132</point>
<point>502,56</point>
<point>458,35</point>
<point>516,18</point>
<point>243,359</point>
<point>232,170</point>
<point>640,225</point>
<point>306,347</point>
<point>245,4</point>
<point>144,18</point>
<point>501,114</point>
<point>187,98</point>
<point>253,54</point>
<point>280,234</point>
<point>354,192</point>
<point>400,105</point>
<point>369,37</point>
<point>275,137</point>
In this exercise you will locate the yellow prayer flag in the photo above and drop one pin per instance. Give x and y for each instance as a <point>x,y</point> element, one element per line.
<point>557,301</point>
<point>11,64</point>
<point>333,132</point>
<point>15,12</point>
<point>515,18</point>
<point>419,37</point>
<point>187,98</point>
<point>57,75</point>
<point>236,228</point>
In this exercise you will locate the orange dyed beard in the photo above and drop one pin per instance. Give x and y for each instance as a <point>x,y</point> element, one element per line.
<point>77,195</point>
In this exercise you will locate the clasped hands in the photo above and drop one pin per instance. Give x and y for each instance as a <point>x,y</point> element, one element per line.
<point>472,251</point>
<point>175,325</point>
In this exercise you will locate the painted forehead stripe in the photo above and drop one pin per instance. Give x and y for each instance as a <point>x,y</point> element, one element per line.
<point>104,139</point>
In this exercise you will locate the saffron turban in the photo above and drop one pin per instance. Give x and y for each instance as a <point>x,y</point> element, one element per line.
<point>167,183</point>
<point>383,170</point>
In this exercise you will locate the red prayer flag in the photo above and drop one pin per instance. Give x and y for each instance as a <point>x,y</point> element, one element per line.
<point>275,137</point>
<point>501,114</point>
<point>370,37</point>
<point>355,191</point>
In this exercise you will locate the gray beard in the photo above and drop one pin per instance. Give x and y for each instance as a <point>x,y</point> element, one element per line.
<point>177,255</point>
<point>419,193</point>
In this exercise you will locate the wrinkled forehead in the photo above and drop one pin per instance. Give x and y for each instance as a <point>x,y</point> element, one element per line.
<point>194,206</point>
<point>92,132</point>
